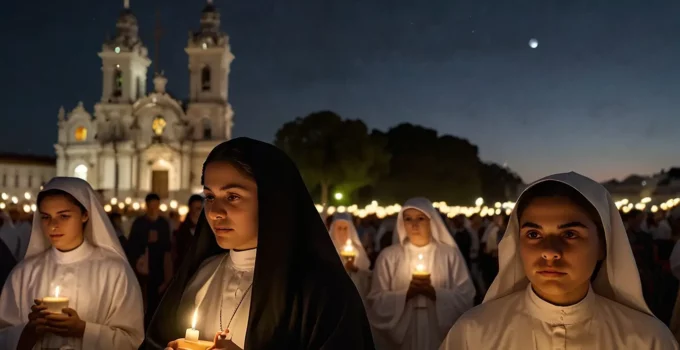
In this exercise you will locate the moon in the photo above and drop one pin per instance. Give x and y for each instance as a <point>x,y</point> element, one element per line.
<point>533,43</point>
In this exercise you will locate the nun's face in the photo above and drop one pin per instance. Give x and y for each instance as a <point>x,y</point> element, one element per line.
<point>417,227</point>
<point>341,231</point>
<point>62,222</point>
<point>231,206</point>
<point>559,247</point>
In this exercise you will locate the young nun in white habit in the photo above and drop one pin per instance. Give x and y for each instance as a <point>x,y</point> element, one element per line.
<point>358,267</point>
<point>415,312</point>
<point>262,269</point>
<point>567,278</point>
<point>73,247</point>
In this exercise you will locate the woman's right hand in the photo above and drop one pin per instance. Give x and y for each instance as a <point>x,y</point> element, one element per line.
<point>36,319</point>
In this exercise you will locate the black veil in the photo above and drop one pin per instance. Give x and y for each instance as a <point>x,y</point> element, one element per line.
<point>302,297</point>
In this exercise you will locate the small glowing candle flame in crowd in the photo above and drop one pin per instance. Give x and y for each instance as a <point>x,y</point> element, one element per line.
<point>348,250</point>
<point>420,269</point>
<point>55,304</point>
<point>194,319</point>
<point>56,292</point>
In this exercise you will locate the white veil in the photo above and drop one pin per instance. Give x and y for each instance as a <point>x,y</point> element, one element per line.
<point>98,231</point>
<point>437,227</point>
<point>618,278</point>
<point>361,261</point>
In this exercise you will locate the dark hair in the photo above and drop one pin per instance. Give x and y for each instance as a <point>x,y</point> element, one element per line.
<point>195,198</point>
<point>60,193</point>
<point>552,189</point>
<point>152,197</point>
<point>230,155</point>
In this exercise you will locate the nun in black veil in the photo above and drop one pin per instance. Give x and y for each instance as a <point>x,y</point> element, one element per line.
<point>262,268</point>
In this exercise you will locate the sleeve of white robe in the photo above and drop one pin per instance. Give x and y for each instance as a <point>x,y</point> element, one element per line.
<point>387,305</point>
<point>674,260</point>
<point>455,301</point>
<point>123,327</point>
<point>12,321</point>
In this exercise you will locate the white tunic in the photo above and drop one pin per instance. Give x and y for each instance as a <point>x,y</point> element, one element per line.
<point>420,323</point>
<point>219,286</point>
<point>523,321</point>
<point>100,286</point>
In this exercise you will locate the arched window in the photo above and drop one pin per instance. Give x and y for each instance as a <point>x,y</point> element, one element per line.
<point>205,78</point>
<point>158,125</point>
<point>207,129</point>
<point>117,82</point>
<point>80,134</point>
<point>80,172</point>
<point>139,88</point>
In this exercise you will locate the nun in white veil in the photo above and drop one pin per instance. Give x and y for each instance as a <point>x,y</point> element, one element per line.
<point>80,255</point>
<point>345,238</point>
<point>421,284</point>
<point>560,237</point>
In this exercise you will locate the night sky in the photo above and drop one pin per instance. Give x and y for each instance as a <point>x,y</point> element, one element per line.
<point>600,95</point>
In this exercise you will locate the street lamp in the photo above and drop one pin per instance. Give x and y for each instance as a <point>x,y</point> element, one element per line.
<point>338,196</point>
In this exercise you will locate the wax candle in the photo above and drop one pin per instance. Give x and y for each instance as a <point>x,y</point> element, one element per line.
<point>192,333</point>
<point>420,269</point>
<point>348,249</point>
<point>55,304</point>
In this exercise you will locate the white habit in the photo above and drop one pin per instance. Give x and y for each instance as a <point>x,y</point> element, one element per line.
<point>613,315</point>
<point>420,323</point>
<point>220,285</point>
<point>362,277</point>
<point>96,278</point>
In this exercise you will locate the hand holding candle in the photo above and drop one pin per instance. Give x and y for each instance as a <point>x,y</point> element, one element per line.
<point>348,252</point>
<point>55,304</point>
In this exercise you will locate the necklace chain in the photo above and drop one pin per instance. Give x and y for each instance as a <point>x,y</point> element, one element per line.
<point>236,309</point>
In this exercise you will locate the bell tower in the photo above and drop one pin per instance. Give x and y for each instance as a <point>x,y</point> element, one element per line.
<point>124,61</point>
<point>210,59</point>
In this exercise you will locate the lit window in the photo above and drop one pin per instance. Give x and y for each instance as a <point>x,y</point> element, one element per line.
<point>80,172</point>
<point>81,134</point>
<point>158,125</point>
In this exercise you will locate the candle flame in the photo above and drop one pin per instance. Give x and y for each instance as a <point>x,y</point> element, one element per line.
<point>420,267</point>
<point>194,319</point>
<point>56,292</point>
<point>420,257</point>
<point>348,246</point>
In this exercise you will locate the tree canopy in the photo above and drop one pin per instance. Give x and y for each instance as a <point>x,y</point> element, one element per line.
<point>335,154</point>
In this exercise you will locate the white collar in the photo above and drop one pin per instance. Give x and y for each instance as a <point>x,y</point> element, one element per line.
<point>244,259</point>
<point>559,315</point>
<point>81,253</point>
<point>419,250</point>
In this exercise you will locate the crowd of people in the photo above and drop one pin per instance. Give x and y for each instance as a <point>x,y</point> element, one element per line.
<point>252,266</point>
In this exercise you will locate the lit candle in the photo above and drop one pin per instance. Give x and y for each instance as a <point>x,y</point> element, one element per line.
<point>192,333</point>
<point>348,250</point>
<point>420,270</point>
<point>55,304</point>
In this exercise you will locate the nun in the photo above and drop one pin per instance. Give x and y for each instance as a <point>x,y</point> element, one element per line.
<point>351,251</point>
<point>567,278</point>
<point>263,270</point>
<point>73,254</point>
<point>421,284</point>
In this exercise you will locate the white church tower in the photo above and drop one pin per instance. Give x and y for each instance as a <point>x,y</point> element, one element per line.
<point>138,142</point>
<point>210,58</point>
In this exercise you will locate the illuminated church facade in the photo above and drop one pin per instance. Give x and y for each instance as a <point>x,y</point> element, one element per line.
<point>136,142</point>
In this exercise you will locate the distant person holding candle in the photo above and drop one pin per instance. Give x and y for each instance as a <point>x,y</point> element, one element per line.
<point>567,278</point>
<point>351,251</point>
<point>74,287</point>
<point>421,284</point>
<point>262,268</point>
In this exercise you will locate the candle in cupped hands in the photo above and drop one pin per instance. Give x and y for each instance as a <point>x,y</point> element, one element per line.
<point>420,270</point>
<point>55,304</point>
